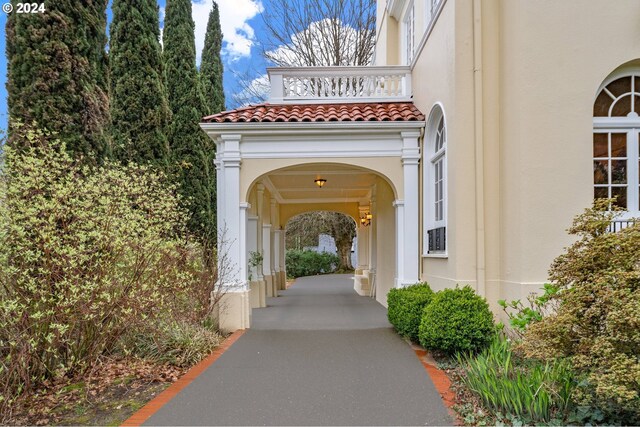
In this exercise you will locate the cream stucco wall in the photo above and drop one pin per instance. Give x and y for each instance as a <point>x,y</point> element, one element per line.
<point>554,56</point>
<point>516,80</point>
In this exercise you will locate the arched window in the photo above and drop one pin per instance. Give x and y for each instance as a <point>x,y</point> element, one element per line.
<point>616,141</point>
<point>435,183</point>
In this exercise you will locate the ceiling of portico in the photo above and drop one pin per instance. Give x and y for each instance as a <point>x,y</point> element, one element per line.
<point>344,184</point>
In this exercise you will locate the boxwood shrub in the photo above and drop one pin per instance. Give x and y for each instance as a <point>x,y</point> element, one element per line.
<point>456,320</point>
<point>309,263</point>
<point>406,306</point>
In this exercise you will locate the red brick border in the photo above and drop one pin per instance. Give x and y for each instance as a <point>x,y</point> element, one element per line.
<point>144,413</point>
<point>440,380</point>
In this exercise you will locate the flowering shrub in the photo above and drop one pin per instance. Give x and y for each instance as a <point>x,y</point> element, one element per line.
<point>596,323</point>
<point>85,254</point>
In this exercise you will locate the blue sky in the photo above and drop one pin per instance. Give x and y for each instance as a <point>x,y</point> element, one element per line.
<point>242,27</point>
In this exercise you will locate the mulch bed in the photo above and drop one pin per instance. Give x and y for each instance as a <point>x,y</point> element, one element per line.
<point>107,395</point>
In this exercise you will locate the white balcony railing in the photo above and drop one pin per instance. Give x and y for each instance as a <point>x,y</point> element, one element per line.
<point>339,84</point>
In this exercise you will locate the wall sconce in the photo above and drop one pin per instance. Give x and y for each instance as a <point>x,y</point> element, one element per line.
<point>365,219</point>
<point>320,182</point>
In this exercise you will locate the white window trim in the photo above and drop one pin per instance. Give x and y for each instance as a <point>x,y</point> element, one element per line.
<point>437,113</point>
<point>630,126</point>
<point>408,23</point>
<point>428,28</point>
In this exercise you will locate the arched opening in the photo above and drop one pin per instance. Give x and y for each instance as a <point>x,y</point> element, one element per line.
<point>616,138</point>
<point>364,198</point>
<point>320,242</point>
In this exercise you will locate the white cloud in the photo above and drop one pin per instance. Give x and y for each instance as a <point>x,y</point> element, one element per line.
<point>234,14</point>
<point>313,41</point>
<point>254,91</point>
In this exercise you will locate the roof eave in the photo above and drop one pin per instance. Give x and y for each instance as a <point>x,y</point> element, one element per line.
<point>311,127</point>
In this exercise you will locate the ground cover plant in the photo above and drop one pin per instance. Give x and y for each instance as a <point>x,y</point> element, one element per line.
<point>405,308</point>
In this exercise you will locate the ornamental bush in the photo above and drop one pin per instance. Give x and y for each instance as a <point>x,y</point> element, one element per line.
<point>456,320</point>
<point>309,263</point>
<point>405,307</point>
<point>596,322</point>
<point>86,253</point>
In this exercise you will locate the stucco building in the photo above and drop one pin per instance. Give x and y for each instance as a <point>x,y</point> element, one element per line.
<point>482,129</point>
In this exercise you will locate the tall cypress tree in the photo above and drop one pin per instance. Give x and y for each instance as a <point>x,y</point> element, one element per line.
<point>192,151</point>
<point>57,73</point>
<point>211,68</point>
<point>139,108</point>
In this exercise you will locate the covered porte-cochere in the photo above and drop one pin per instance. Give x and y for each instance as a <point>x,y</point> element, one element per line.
<point>277,160</point>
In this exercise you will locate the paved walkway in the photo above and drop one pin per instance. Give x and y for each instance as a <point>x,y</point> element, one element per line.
<point>317,355</point>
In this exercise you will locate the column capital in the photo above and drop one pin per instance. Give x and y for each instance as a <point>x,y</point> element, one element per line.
<point>260,187</point>
<point>397,203</point>
<point>245,205</point>
<point>410,134</point>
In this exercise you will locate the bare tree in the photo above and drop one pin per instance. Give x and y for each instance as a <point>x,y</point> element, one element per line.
<point>303,230</point>
<point>319,32</point>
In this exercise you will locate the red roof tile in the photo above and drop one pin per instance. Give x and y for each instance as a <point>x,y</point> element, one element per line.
<point>379,112</point>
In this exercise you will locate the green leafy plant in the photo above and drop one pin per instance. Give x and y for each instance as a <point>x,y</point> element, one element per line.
<point>405,307</point>
<point>456,320</point>
<point>521,316</point>
<point>309,263</point>
<point>255,260</point>
<point>528,391</point>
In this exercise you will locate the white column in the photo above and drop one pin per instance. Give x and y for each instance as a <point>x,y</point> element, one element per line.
<point>273,244</point>
<point>260,203</point>
<point>266,262</point>
<point>276,257</point>
<point>373,234</point>
<point>242,238</point>
<point>233,310</point>
<point>232,217</point>
<point>283,268</point>
<point>363,239</point>
<point>407,212</point>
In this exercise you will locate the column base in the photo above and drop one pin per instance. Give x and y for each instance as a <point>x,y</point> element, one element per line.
<point>233,312</point>
<point>269,284</point>
<point>283,280</point>
<point>362,283</point>
<point>258,294</point>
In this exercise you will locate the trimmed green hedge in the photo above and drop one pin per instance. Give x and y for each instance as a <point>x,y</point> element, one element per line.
<point>456,320</point>
<point>406,306</point>
<point>309,263</point>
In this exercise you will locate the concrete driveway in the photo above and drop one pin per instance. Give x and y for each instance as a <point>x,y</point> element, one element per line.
<point>317,355</point>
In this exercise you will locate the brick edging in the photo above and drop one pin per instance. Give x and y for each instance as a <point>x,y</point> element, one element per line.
<point>440,380</point>
<point>144,413</point>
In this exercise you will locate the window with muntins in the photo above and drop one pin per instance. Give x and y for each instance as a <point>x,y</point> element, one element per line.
<point>616,142</point>
<point>435,185</point>
<point>409,33</point>
<point>431,7</point>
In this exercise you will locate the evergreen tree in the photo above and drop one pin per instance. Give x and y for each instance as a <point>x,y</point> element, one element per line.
<point>211,68</point>
<point>57,73</point>
<point>139,108</point>
<point>192,150</point>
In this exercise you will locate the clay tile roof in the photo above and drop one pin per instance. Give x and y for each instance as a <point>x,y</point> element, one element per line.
<point>264,113</point>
